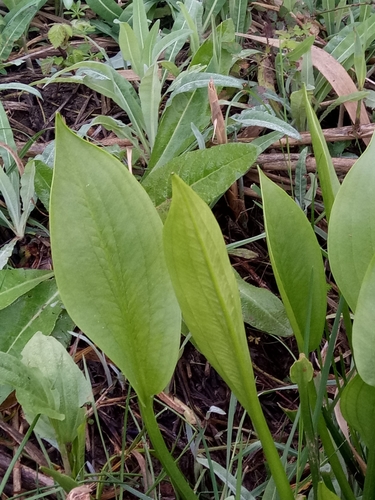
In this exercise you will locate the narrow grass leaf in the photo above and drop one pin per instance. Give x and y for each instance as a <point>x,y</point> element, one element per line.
<point>326,171</point>
<point>110,267</point>
<point>210,172</point>
<point>296,262</point>
<point>16,282</point>
<point>351,232</point>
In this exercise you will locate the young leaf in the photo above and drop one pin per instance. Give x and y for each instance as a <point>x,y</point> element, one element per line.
<point>110,267</point>
<point>296,262</point>
<point>327,174</point>
<point>150,96</point>
<point>351,233</point>
<point>130,48</point>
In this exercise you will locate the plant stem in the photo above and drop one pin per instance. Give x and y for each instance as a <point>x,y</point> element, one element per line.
<point>369,488</point>
<point>254,409</point>
<point>166,459</point>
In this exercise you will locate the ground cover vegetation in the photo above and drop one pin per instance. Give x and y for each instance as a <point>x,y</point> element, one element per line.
<point>187,266</point>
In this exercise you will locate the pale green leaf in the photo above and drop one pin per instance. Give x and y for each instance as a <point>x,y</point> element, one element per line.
<point>326,171</point>
<point>206,287</point>
<point>296,262</point>
<point>6,251</point>
<point>12,201</point>
<point>14,29</point>
<point>22,87</point>
<point>188,82</point>
<point>42,182</point>
<point>140,24</point>
<point>351,232</point>
<point>357,403</point>
<point>109,266</point>
<point>150,96</point>
<point>325,494</point>
<point>363,336</point>
<point>130,48</point>
<point>264,119</point>
<point>58,367</point>
<point>27,192</point>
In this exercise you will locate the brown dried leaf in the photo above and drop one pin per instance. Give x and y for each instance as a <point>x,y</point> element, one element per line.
<point>216,114</point>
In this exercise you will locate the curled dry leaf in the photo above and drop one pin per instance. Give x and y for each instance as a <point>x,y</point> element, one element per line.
<point>80,493</point>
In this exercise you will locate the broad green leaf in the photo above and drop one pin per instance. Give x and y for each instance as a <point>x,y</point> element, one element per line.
<point>210,172</point>
<point>238,11</point>
<point>296,262</point>
<point>263,310</point>
<point>36,310</point>
<point>206,287</point>
<point>192,12</point>
<point>351,232</point>
<point>109,266</point>
<point>174,133</point>
<point>58,367</point>
<point>264,119</point>
<point>16,282</point>
<point>42,182</point>
<point>150,96</point>
<point>325,494</point>
<point>33,391</point>
<point>326,171</point>
<point>211,8</point>
<point>357,403</point>
<point>363,335</point>
<point>301,49</point>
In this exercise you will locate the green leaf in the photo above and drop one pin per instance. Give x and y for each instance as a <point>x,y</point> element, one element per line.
<point>206,287</point>
<point>21,86</point>
<point>6,252</point>
<point>210,172</point>
<point>351,232</point>
<point>357,403</point>
<point>109,266</point>
<point>150,96</point>
<point>36,310</point>
<point>59,35</point>
<point>325,494</point>
<point>264,119</point>
<point>174,133</point>
<point>27,192</point>
<point>14,29</point>
<point>6,137</point>
<point>109,10</point>
<point>140,24</point>
<point>130,48</point>
<point>296,262</point>
<point>188,82</point>
<point>301,49</point>
<point>301,372</point>
<point>12,201</point>
<point>326,171</point>
<point>66,482</point>
<point>263,310</point>
<point>42,182</point>
<point>58,367</point>
<point>363,337</point>
<point>33,390</point>
<point>16,282</point>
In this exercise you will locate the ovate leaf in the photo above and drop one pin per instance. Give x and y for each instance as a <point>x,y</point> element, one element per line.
<point>351,234</point>
<point>296,262</point>
<point>109,266</point>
